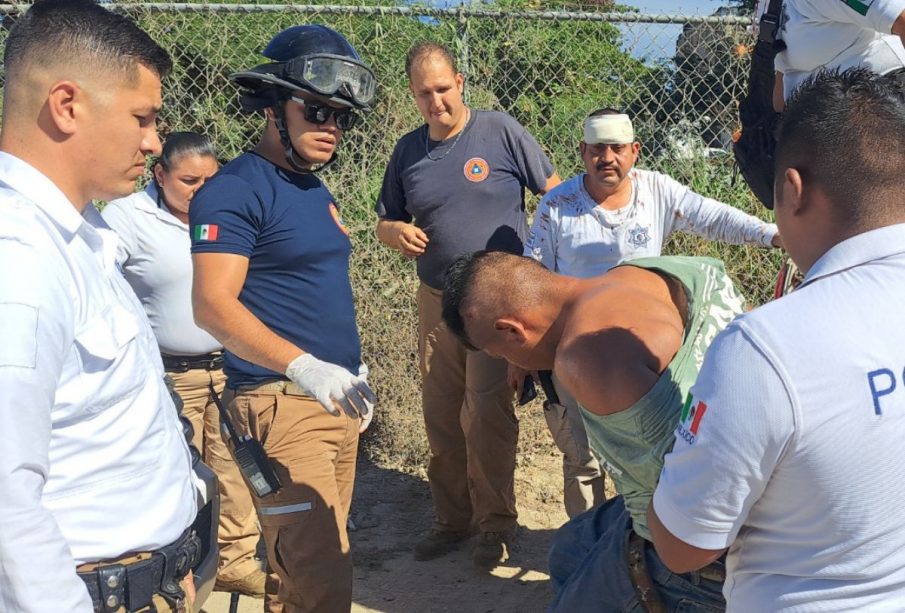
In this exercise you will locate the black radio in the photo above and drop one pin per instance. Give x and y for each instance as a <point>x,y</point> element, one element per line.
<point>249,454</point>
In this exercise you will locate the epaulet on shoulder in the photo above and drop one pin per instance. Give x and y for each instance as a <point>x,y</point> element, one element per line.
<point>18,219</point>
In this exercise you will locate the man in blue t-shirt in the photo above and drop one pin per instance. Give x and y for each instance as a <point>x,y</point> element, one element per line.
<point>461,177</point>
<point>271,282</point>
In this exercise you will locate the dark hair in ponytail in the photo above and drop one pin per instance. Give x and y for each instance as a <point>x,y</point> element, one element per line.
<point>181,144</point>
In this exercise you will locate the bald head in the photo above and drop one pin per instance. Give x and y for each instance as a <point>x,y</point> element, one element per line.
<point>485,285</point>
<point>74,40</point>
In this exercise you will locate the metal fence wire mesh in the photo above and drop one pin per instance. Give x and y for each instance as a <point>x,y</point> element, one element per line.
<point>681,79</point>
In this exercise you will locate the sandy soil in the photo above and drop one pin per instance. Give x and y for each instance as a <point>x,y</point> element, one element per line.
<point>391,510</point>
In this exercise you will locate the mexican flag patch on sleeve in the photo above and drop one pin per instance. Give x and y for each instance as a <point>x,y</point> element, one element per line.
<point>206,232</point>
<point>859,6</point>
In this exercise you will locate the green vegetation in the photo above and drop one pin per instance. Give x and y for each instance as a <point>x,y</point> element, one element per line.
<point>548,74</point>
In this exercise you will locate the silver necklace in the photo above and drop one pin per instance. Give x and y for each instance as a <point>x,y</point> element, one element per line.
<point>451,147</point>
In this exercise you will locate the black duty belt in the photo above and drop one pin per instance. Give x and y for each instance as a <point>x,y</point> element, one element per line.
<point>185,363</point>
<point>133,586</point>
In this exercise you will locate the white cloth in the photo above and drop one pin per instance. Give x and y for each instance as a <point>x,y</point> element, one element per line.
<point>609,129</point>
<point>157,262</point>
<point>574,236</point>
<point>790,452</point>
<point>835,34</point>
<point>93,462</point>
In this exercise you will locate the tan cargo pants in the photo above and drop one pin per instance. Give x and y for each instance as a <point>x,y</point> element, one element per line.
<point>471,427</point>
<point>583,479</point>
<point>304,524</point>
<point>238,532</point>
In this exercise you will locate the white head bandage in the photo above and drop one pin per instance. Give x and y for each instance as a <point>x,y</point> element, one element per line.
<point>609,129</point>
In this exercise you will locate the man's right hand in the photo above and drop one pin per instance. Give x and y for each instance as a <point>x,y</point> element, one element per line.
<point>411,240</point>
<point>329,384</point>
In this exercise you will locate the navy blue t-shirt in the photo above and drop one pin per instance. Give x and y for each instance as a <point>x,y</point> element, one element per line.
<point>466,192</point>
<point>289,228</point>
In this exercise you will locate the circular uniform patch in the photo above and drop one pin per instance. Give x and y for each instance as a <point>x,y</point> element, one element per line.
<point>339,220</point>
<point>476,170</point>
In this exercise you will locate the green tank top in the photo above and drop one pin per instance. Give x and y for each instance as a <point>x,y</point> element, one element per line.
<point>632,443</point>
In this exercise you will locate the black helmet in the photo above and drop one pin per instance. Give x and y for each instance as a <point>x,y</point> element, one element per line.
<point>313,58</point>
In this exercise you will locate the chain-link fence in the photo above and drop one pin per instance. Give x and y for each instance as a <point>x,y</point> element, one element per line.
<point>681,78</point>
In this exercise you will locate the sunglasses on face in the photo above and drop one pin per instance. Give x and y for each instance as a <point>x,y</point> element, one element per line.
<point>320,114</point>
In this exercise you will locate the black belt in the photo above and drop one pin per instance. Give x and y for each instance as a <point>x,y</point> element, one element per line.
<point>184,363</point>
<point>133,586</point>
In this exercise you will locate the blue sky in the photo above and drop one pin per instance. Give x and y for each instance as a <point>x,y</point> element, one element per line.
<point>655,41</point>
<point>682,7</point>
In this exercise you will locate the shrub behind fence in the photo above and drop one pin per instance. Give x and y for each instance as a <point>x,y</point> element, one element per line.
<point>681,78</point>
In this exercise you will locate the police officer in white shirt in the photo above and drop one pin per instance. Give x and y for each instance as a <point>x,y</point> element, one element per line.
<point>155,253</point>
<point>94,466</point>
<point>836,34</point>
<point>788,453</point>
<point>599,218</point>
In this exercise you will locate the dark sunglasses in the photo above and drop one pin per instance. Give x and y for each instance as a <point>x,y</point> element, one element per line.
<point>321,113</point>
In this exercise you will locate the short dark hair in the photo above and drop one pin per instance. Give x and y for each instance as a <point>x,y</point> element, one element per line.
<point>181,144</point>
<point>605,111</point>
<point>491,282</point>
<point>457,285</point>
<point>853,117</point>
<point>456,289</point>
<point>420,51</point>
<point>84,32</point>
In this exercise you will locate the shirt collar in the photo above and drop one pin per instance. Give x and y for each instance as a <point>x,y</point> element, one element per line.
<point>857,250</point>
<point>156,206</point>
<point>39,189</point>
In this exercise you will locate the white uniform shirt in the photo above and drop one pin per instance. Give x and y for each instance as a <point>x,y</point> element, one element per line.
<point>574,236</point>
<point>157,263</point>
<point>790,450</point>
<point>93,462</point>
<point>838,34</point>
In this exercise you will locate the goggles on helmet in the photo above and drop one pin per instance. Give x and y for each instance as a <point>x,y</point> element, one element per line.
<point>328,74</point>
<point>320,114</point>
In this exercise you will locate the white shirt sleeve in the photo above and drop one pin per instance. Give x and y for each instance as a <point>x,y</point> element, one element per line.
<point>731,436</point>
<point>119,218</point>
<point>878,15</point>
<point>38,570</point>
<point>542,238</point>
<point>693,213</point>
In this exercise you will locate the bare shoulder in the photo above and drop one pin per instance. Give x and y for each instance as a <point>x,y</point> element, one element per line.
<point>619,337</point>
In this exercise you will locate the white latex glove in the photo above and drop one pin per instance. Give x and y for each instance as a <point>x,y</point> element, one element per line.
<point>329,383</point>
<point>365,419</point>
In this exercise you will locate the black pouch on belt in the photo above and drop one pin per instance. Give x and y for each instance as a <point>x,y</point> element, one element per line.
<point>249,454</point>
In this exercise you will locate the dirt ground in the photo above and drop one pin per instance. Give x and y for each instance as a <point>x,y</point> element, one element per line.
<point>391,510</point>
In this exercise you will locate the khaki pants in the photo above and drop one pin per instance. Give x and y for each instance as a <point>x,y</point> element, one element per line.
<point>304,524</point>
<point>238,533</point>
<point>471,427</point>
<point>583,480</point>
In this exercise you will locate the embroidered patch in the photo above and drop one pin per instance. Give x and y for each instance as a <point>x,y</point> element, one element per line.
<point>859,6</point>
<point>206,232</point>
<point>639,236</point>
<point>476,170</point>
<point>339,220</point>
<point>690,419</point>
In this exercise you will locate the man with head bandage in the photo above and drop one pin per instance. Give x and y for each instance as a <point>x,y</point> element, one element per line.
<point>611,213</point>
<point>615,212</point>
